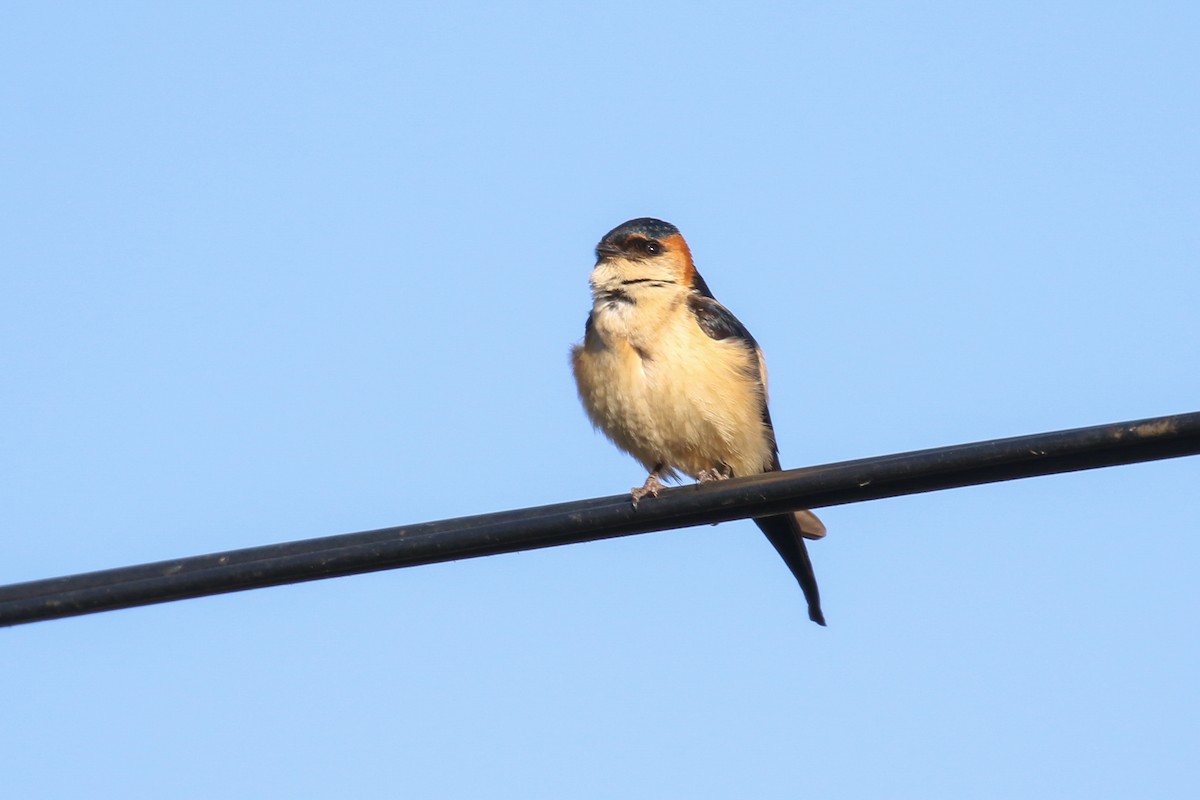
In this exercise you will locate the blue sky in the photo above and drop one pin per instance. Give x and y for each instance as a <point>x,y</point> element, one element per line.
<point>288,270</point>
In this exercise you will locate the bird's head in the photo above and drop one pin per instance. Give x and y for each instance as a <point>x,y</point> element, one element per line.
<point>644,252</point>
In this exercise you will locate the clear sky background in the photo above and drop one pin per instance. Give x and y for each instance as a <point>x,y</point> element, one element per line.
<point>276,271</point>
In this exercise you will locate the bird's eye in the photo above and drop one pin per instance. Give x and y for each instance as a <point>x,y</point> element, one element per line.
<point>652,248</point>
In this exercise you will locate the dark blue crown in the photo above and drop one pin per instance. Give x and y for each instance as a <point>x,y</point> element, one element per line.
<point>642,226</point>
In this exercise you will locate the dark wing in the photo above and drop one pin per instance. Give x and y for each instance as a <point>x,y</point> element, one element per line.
<point>587,329</point>
<point>784,531</point>
<point>701,287</point>
<point>719,323</point>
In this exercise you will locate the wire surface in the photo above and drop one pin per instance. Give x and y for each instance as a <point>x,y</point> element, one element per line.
<point>602,518</point>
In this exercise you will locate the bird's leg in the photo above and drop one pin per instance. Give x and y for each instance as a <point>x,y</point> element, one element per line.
<point>652,486</point>
<point>720,472</point>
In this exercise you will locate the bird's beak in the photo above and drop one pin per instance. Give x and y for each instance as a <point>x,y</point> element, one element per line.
<point>606,251</point>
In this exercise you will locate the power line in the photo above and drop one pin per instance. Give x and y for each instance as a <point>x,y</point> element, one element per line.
<point>602,518</point>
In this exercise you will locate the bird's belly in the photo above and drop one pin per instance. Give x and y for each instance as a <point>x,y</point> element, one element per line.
<point>675,410</point>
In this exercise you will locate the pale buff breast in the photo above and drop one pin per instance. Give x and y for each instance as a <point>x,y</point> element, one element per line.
<point>676,397</point>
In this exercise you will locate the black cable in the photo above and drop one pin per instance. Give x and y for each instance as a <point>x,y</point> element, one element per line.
<point>602,518</point>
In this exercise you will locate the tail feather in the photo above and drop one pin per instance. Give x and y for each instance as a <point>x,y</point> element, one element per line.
<point>786,532</point>
<point>810,526</point>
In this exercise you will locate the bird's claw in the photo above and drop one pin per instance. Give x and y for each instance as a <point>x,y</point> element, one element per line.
<point>718,473</point>
<point>651,487</point>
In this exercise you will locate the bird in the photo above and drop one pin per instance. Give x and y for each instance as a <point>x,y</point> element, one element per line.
<point>672,378</point>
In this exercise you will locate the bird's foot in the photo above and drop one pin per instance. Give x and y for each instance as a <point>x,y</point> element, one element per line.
<point>720,472</point>
<point>651,487</point>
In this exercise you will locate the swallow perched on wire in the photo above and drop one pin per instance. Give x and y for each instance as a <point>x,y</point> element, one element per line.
<point>675,380</point>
